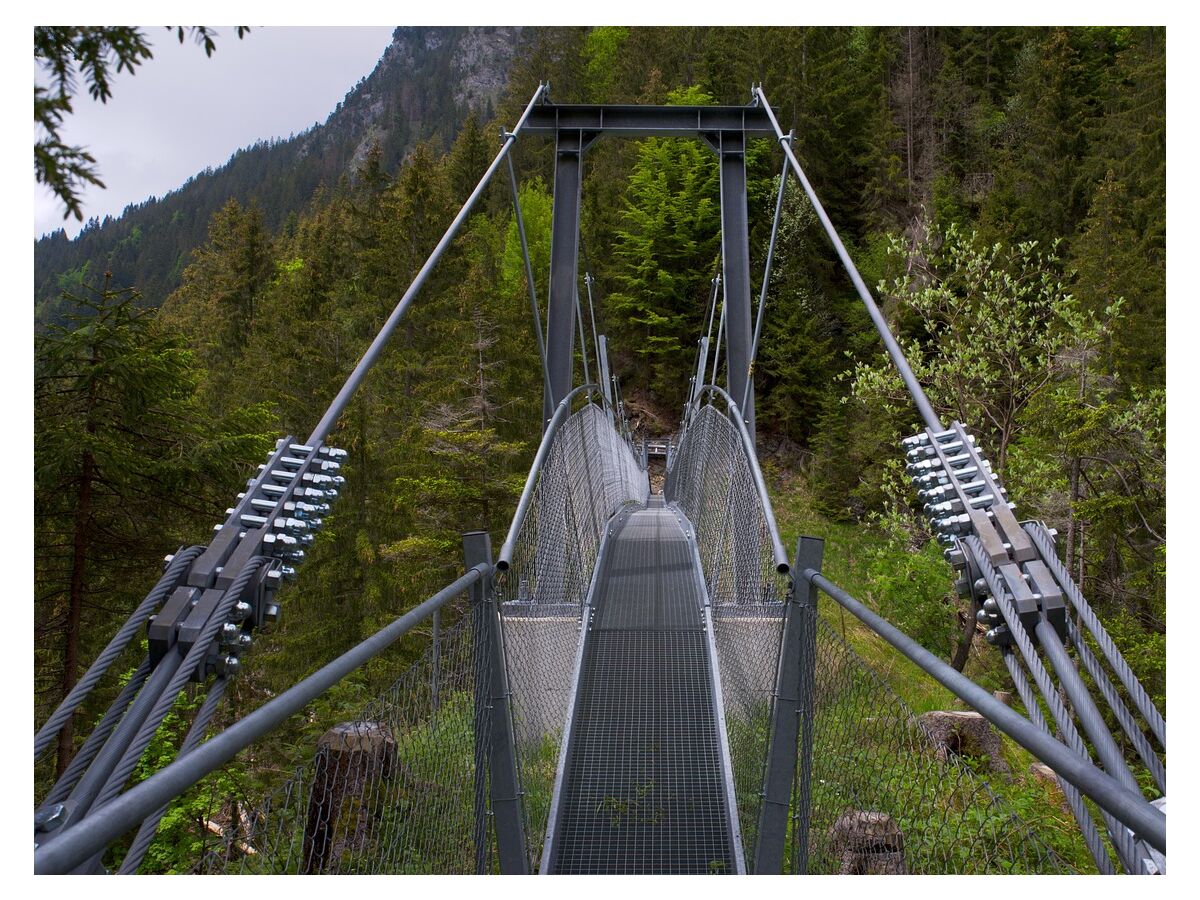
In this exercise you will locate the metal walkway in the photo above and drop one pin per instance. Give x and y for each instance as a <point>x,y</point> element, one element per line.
<point>644,786</point>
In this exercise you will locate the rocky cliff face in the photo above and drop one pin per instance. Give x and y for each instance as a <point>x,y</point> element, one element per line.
<point>425,84</point>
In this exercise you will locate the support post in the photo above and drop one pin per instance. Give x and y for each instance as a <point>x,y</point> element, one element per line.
<point>564,267</point>
<point>810,553</point>
<point>791,719</point>
<point>494,737</point>
<point>735,262</point>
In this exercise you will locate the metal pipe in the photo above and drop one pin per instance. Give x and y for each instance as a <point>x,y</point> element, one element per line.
<point>110,821</point>
<point>587,280</point>
<point>910,380</point>
<point>1149,823</point>
<point>1089,716</point>
<point>1124,674</point>
<point>782,564</point>
<point>360,371</point>
<point>53,725</point>
<point>583,350</point>
<point>766,280</point>
<point>717,350</point>
<point>537,315</point>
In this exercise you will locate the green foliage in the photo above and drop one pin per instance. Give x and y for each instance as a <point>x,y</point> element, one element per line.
<point>664,251</point>
<point>997,326</point>
<point>126,462</point>
<point>183,833</point>
<point>909,581</point>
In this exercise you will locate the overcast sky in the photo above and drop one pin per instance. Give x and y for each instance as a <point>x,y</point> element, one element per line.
<point>182,111</point>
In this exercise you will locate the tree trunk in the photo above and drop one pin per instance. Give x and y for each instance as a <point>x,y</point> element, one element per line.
<point>79,548</point>
<point>966,636</point>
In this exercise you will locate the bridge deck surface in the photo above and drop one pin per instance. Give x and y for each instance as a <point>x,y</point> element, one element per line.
<point>643,788</point>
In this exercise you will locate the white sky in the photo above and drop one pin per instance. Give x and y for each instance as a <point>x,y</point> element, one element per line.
<point>181,111</point>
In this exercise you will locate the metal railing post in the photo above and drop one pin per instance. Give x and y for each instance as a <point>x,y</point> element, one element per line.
<point>791,721</point>
<point>810,552</point>
<point>476,550</point>
<point>494,737</point>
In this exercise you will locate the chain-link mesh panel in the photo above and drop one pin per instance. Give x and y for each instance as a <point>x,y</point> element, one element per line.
<point>400,790</point>
<point>588,474</point>
<point>712,482</point>
<point>887,799</point>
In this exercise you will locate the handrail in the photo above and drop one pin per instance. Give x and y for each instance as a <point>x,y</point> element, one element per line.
<point>1147,822</point>
<point>782,564</point>
<point>505,558</point>
<point>64,851</point>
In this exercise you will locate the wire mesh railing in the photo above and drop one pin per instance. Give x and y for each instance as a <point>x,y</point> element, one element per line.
<point>586,476</point>
<point>401,789</point>
<point>897,793</point>
<point>714,480</point>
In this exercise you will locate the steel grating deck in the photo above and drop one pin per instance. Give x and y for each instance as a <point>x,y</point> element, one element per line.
<point>643,789</point>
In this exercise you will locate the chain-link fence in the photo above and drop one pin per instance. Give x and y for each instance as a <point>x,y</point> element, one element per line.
<point>897,793</point>
<point>588,474</point>
<point>712,480</point>
<point>402,789</point>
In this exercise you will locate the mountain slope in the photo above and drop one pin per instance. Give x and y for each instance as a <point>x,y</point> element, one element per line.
<point>425,84</point>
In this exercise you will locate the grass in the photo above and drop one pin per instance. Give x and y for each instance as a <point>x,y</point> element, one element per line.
<point>849,547</point>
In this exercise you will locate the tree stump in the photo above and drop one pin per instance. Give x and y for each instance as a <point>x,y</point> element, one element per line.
<point>869,843</point>
<point>963,734</point>
<point>350,757</point>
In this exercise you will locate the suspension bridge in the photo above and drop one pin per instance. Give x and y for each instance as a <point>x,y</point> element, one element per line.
<point>637,681</point>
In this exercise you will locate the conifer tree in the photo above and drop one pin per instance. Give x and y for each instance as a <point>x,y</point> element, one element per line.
<point>126,464</point>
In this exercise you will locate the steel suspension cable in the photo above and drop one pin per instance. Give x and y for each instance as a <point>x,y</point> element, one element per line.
<point>1124,674</point>
<point>79,842</point>
<point>533,302</point>
<point>376,348</point>
<point>194,658</point>
<point>889,341</point>
<point>1104,684</point>
<point>95,740</point>
<point>1123,844</point>
<point>1087,825</point>
<point>175,571</point>
<point>149,829</point>
<point>583,354</point>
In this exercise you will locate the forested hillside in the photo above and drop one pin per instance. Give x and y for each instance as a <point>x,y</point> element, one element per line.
<point>424,86</point>
<point>1003,187</point>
